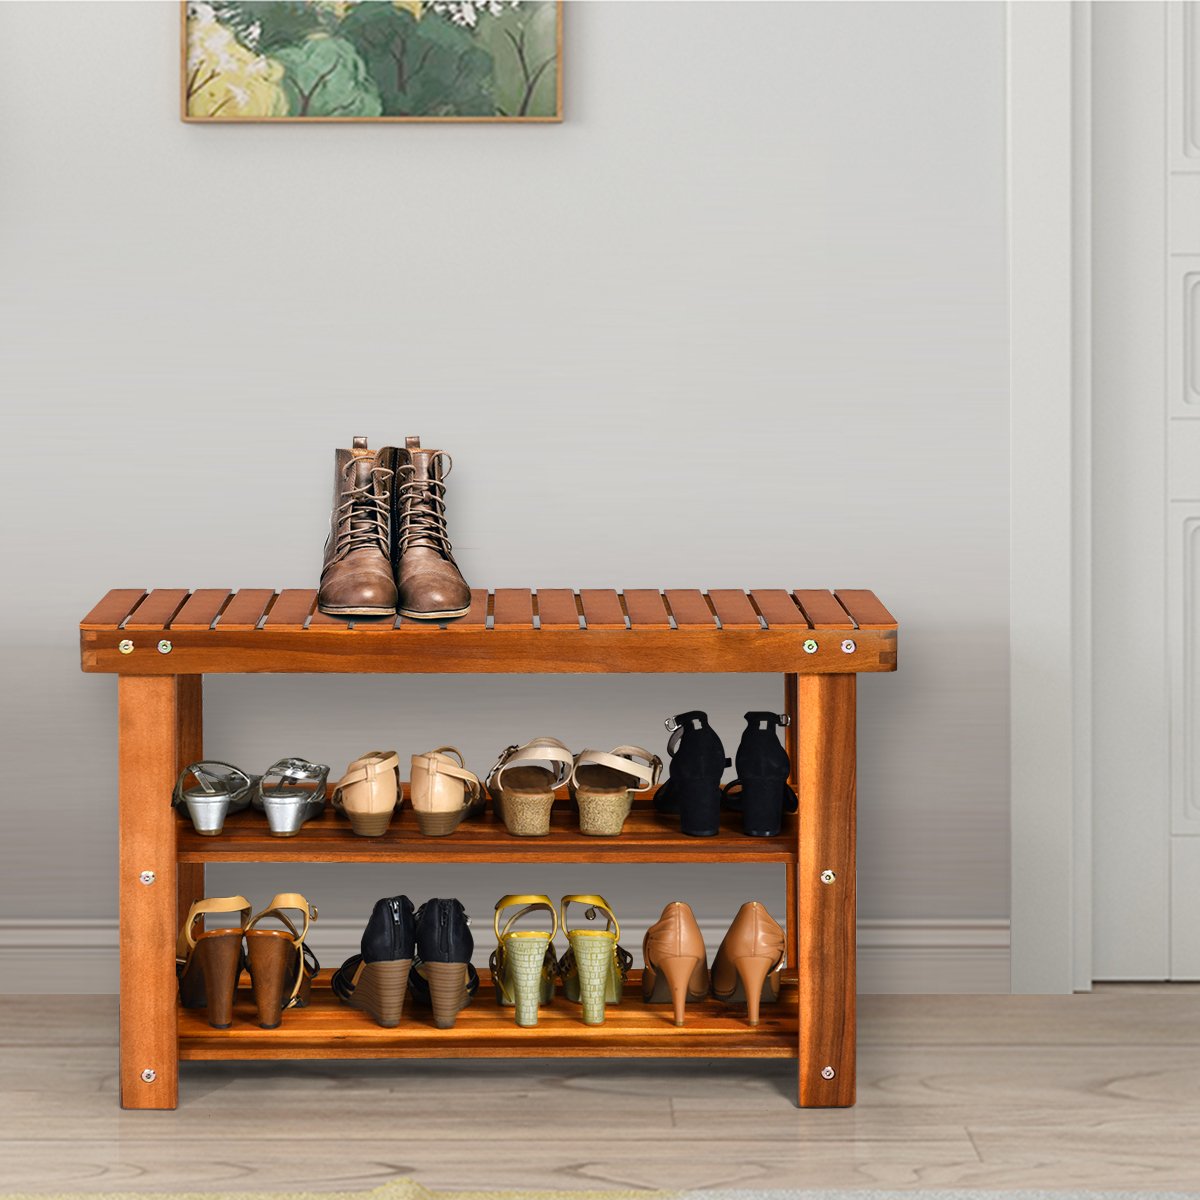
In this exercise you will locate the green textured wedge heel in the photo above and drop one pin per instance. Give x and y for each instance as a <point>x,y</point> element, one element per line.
<point>523,963</point>
<point>595,966</point>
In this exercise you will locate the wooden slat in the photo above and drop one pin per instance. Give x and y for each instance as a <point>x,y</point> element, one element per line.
<point>778,607</point>
<point>866,609</point>
<point>324,619</point>
<point>823,610</point>
<point>291,610</point>
<point>474,618</point>
<point>513,607</point>
<point>246,608</point>
<point>734,609</point>
<point>201,609</point>
<point>157,609</point>
<point>556,606</point>
<point>602,608</point>
<point>690,609</point>
<point>376,624</point>
<point>113,609</point>
<point>645,608</point>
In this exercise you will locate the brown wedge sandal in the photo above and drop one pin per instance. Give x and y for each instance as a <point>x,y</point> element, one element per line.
<point>281,965</point>
<point>208,964</point>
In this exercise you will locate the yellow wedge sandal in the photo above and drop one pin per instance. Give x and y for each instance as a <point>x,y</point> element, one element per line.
<point>523,963</point>
<point>595,966</point>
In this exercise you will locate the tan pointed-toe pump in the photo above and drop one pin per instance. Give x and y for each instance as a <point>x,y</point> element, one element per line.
<point>748,964</point>
<point>369,792</point>
<point>676,963</point>
<point>443,791</point>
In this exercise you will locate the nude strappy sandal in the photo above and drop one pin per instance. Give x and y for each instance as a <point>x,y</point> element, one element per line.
<point>443,791</point>
<point>369,792</point>
<point>208,964</point>
<point>604,786</point>
<point>282,966</point>
<point>523,783</point>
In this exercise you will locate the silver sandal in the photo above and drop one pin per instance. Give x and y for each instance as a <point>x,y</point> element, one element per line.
<point>290,792</point>
<point>219,789</point>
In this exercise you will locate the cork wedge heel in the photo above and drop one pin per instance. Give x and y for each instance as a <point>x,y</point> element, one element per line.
<point>594,968</point>
<point>604,785</point>
<point>524,964</point>
<point>523,783</point>
<point>208,963</point>
<point>281,964</point>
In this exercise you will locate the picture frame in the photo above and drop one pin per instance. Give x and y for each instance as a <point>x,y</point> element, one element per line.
<point>339,58</point>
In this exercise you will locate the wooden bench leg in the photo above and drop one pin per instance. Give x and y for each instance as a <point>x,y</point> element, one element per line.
<point>825,887</point>
<point>190,749</point>
<point>790,741</point>
<point>154,716</point>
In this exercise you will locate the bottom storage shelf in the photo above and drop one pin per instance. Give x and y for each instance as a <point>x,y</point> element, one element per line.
<point>327,1028</point>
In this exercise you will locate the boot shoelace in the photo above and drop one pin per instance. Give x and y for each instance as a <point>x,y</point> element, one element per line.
<point>362,518</point>
<point>423,508</point>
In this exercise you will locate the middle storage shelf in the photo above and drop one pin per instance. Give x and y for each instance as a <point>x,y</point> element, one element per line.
<point>648,836</point>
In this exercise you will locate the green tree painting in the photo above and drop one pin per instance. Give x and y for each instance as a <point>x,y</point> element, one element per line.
<point>387,59</point>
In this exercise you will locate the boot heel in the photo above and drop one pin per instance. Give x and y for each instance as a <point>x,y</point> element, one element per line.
<point>594,962</point>
<point>447,991</point>
<point>678,973</point>
<point>381,991</point>
<point>220,960</point>
<point>752,973</point>
<point>272,964</point>
<point>762,805</point>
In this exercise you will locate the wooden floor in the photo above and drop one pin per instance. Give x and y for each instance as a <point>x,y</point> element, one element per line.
<point>1095,1091</point>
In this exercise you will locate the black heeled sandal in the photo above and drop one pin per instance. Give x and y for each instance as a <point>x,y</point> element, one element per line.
<point>694,787</point>
<point>761,792</point>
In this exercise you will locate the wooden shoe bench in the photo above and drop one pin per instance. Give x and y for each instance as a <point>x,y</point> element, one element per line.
<point>160,644</point>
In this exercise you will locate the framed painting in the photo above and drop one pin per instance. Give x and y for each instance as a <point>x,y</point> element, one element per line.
<point>371,60</point>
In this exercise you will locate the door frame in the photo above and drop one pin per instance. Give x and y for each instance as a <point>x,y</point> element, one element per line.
<point>1049,253</point>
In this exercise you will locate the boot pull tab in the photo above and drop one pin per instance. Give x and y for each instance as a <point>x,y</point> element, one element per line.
<point>358,443</point>
<point>412,443</point>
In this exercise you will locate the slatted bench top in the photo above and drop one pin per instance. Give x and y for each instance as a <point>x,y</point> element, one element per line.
<point>180,631</point>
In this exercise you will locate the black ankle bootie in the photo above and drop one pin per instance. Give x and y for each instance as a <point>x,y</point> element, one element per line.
<point>376,980</point>
<point>761,792</point>
<point>694,787</point>
<point>442,976</point>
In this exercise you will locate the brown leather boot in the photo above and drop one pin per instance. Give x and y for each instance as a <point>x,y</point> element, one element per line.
<point>675,964</point>
<point>749,961</point>
<point>356,579</point>
<point>428,581</point>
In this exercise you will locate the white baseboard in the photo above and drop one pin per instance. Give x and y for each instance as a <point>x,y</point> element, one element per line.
<point>922,956</point>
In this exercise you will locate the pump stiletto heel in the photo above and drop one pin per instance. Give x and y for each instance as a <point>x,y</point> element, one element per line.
<point>523,963</point>
<point>676,964</point>
<point>595,965</point>
<point>208,964</point>
<point>281,964</point>
<point>693,789</point>
<point>748,965</point>
<point>761,792</point>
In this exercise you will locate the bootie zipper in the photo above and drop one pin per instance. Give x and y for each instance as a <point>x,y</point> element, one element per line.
<point>397,927</point>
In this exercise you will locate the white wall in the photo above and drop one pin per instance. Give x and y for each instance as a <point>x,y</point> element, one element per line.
<point>740,320</point>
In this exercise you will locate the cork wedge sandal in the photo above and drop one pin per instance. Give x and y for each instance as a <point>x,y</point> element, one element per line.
<point>523,783</point>
<point>604,786</point>
<point>594,968</point>
<point>443,791</point>
<point>208,963</point>
<point>524,964</point>
<point>282,966</point>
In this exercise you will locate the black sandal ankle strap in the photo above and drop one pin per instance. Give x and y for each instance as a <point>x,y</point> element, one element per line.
<point>776,720</point>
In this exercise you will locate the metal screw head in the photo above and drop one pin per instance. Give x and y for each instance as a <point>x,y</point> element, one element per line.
<point>827,1072</point>
<point>164,647</point>
<point>848,647</point>
<point>149,1075</point>
<point>828,876</point>
<point>810,646</point>
<point>147,877</point>
<point>125,646</point>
